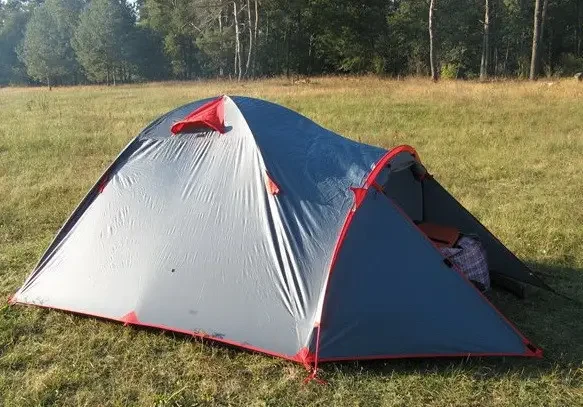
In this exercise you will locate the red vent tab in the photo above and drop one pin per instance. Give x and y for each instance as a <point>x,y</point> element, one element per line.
<point>210,115</point>
<point>270,184</point>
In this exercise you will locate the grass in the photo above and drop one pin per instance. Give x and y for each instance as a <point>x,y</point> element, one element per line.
<point>512,152</point>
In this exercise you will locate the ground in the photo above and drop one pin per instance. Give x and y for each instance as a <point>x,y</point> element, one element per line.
<point>512,152</point>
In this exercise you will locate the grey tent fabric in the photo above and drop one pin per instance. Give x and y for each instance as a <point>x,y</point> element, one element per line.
<point>254,226</point>
<point>194,219</point>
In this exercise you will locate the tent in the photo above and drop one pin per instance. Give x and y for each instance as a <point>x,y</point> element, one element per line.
<point>241,221</point>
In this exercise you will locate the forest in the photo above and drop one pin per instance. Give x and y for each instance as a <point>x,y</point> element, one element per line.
<point>67,42</point>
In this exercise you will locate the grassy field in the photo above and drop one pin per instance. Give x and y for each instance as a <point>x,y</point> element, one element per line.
<point>511,152</point>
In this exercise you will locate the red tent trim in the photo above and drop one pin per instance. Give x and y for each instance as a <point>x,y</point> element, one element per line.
<point>359,194</point>
<point>304,356</point>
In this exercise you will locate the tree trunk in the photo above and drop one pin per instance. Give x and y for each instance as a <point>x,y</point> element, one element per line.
<point>221,73</point>
<point>235,61</point>
<point>550,52</point>
<point>298,44</point>
<point>506,58</point>
<point>579,29</point>
<point>250,26</point>
<point>287,52</point>
<point>535,41</point>
<point>432,59</point>
<point>485,43</point>
<point>49,82</point>
<point>543,19</point>
<point>255,37</point>
<point>238,70</point>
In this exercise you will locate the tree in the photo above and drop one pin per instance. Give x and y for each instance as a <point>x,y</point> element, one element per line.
<point>101,39</point>
<point>187,39</point>
<point>47,50</point>
<point>486,42</point>
<point>177,22</point>
<point>14,16</point>
<point>145,54</point>
<point>432,57</point>
<point>237,64</point>
<point>250,47</point>
<point>534,59</point>
<point>542,28</point>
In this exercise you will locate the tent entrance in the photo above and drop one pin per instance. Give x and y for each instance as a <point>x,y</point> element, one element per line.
<point>422,199</point>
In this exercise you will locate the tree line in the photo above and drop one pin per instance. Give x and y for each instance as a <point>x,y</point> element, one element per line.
<point>109,41</point>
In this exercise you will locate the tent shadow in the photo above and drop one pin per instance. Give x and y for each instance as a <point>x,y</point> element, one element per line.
<point>547,319</point>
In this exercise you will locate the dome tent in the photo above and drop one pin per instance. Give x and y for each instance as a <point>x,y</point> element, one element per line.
<point>241,221</point>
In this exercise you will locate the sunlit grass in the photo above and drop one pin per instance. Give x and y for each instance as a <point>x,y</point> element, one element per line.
<point>512,152</point>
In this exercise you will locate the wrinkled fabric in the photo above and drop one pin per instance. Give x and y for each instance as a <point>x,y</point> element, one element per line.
<point>186,235</point>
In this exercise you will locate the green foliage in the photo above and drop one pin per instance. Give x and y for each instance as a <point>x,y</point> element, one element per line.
<point>454,62</point>
<point>571,64</point>
<point>176,22</point>
<point>215,47</point>
<point>46,49</point>
<point>102,39</point>
<point>13,18</point>
<point>449,71</point>
<point>119,40</point>
<point>145,55</point>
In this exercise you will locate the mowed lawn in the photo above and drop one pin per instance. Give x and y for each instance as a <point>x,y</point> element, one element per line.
<point>512,152</point>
